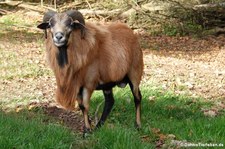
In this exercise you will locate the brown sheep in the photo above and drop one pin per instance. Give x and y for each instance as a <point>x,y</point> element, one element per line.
<point>87,57</point>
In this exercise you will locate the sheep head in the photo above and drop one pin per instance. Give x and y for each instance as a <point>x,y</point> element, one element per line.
<point>62,24</point>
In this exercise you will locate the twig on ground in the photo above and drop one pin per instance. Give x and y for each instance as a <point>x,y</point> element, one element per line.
<point>89,5</point>
<point>96,112</point>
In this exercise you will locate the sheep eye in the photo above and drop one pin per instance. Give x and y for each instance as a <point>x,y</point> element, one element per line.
<point>68,22</point>
<point>51,23</point>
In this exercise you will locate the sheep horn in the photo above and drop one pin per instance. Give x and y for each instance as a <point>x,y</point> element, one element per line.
<point>76,15</point>
<point>48,15</point>
<point>77,18</point>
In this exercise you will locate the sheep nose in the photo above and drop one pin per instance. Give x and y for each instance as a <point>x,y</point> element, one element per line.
<point>59,35</point>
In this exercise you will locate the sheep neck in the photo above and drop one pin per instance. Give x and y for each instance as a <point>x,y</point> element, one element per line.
<point>62,56</point>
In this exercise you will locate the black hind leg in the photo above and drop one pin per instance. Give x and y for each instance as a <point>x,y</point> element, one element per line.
<point>109,102</point>
<point>137,100</point>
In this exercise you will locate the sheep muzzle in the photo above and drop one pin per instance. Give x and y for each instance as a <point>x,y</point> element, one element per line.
<point>59,39</point>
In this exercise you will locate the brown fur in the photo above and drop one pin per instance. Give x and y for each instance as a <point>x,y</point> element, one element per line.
<point>106,54</point>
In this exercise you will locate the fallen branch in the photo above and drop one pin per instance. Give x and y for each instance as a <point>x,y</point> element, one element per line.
<point>103,13</point>
<point>11,3</point>
<point>210,6</point>
<point>76,5</point>
<point>20,4</point>
<point>3,12</point>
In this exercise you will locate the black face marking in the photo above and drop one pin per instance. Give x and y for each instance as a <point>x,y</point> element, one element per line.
<point>62,56</point>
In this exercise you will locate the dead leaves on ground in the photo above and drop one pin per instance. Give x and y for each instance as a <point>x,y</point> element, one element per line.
<point>218,108</point>
<point>187,65</point>
<point>168,141</point>
<point>162,140</point>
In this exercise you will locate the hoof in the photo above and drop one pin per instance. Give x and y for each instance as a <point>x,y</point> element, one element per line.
<point>137,126</point>
<point>99,124</point>
<point>86,132</point>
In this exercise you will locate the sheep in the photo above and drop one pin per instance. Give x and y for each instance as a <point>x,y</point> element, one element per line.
<point>86,57</point>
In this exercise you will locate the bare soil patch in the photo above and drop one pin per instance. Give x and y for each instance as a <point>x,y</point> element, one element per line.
<point>72,120</point>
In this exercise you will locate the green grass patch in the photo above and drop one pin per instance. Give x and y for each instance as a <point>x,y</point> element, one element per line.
<point>187,28</point>
<point>29,130</point>
<point>167,113</point>
<point>117,137</point>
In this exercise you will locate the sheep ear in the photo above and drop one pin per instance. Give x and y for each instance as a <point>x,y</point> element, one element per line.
<point>77,25</point>
<point>43,26</point>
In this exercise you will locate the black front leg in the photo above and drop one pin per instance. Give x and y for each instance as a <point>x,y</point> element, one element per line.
<point>109,102</point>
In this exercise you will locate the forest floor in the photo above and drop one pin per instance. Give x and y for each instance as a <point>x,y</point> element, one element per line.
<point>187,65</point>
<point>194,67</point>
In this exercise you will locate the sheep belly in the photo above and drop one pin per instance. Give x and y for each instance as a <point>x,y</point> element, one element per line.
<point>109,85</point>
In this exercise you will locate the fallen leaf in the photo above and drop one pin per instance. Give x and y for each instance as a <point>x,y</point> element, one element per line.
<point>18,109</point>
<point>162,136</point>
<point>145,138</point>
<point>151,98</point>
<point>211,113</point>
<point>156,131</point>
<point>171,136</point>
<point>31,107</point>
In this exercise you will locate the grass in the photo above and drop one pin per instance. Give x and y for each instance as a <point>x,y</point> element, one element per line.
<point>163,113</point>
<point>28,130</point>
<point>169,114</point>
<point>25,68</point>
<point>166,114</point>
